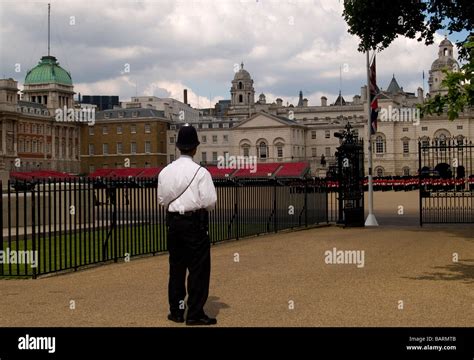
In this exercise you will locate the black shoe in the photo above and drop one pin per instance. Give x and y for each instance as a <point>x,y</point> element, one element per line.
<point>205,320</point>
<point>176,318</point>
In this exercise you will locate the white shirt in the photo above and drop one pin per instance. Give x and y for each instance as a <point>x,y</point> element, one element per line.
<point>174,178</point>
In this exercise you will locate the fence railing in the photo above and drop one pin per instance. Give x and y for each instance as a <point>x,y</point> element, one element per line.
<point>66,224</point>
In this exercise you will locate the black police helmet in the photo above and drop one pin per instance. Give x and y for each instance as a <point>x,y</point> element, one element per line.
<point>187,138</point>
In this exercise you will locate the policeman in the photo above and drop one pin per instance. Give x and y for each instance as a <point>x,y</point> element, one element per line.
<point>187,191</point>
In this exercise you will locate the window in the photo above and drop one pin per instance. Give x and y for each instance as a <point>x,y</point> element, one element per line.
<point>91,149</point>
<point>424,128</point>
<point>105,149</point>
<point>262,150</point>
<point>459,127</point>
<point>105,131</point>
<point>313,152</point>
<point>204,156</point>
<point>328,151</point>
<point>379,145</point>
<point>246,150</point>
<point>379,171</point>
<point>148,147</point>
<point>441,141</point>
<point>119,129</point>
<point>91,130</point>
<point>279,151</point>
<point>133,148</point>
<point>406,171</point>
<point>406,146</point>
<point>240,85</point>
<point>313,134</point>
<point>327,134</point>
<point>226,138</point>
<point>119,148</point>
<point>405,130</point>
<point>214,156</point>
<point>133,129</point>
<point>215,126</point>
<point>34,148</point>
<point>214,139</point>
<point>171,139</point>
<point>205,126</point>
<point>33,128</point>
<point>121,113</point>
<point>134,113</point>
<point>225,125</point>
<point>147,129</point>
<point>204,139</point>
<point>241,99</point>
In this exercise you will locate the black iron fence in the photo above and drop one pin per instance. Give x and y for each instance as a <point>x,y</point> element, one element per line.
<point>446,181</point>
<point>62,224</point>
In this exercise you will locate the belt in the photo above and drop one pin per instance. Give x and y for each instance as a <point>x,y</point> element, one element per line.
<point>187,213</point>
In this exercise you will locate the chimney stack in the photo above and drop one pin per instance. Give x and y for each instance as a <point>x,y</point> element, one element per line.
<point>324,101</point>
<point>185,96</point>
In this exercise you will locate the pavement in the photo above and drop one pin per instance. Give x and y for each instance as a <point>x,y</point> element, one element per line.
<point>411,276</point>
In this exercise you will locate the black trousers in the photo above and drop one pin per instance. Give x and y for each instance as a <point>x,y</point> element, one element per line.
<point>189,249</point>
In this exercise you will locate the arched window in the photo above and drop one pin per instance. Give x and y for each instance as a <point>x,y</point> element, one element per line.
<point>246,150</point>
<point>262,150</point>
<point>379,145</point>
<point>379,171</point>
<point>240,85</point>
<point>241,98</point>
<point>441,142</point>
<point>406,171</point>
<point>445,52</point>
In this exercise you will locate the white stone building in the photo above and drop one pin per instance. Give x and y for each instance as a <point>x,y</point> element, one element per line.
<point>274,132</point>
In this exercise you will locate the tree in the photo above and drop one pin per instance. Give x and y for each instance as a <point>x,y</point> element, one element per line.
<point>378,23</point>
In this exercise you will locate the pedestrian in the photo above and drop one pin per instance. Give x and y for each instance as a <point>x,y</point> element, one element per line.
<point>187,191</point>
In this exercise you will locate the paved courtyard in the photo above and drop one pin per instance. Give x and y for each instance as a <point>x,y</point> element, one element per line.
<point>408,278</point>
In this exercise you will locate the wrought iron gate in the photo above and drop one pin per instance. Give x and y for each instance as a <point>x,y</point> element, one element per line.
<point>350,169</point>
<point>446,178</point>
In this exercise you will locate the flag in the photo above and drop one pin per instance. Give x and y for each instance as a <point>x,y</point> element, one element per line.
<point>374,93</point>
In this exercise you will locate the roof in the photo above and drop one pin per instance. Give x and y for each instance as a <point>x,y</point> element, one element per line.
<point>280,119</point>
<point>340,100</point>
<point>242,74</point>
<point>393,87</point>
<point>129,113</point>
<point>48,71</point>
<point>141,173</point>
<point>40,174</point>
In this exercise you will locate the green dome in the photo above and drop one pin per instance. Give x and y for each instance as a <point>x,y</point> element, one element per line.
<point>48,71</point>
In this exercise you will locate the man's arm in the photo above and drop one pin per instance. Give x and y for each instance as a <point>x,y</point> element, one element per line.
<point>207,191</point>
<point>161,195</point>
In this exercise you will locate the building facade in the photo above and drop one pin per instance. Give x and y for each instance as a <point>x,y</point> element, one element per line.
<point>31,137</point>
<point>124,138</point>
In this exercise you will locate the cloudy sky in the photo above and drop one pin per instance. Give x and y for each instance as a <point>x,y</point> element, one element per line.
<point>286,45</point>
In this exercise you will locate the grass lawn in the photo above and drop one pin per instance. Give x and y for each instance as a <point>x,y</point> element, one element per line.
<point>72,250</point>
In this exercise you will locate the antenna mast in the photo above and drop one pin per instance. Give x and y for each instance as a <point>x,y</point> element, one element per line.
<point>49,26</point>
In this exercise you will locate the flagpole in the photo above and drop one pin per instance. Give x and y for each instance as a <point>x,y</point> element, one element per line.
<point>371,220</point>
